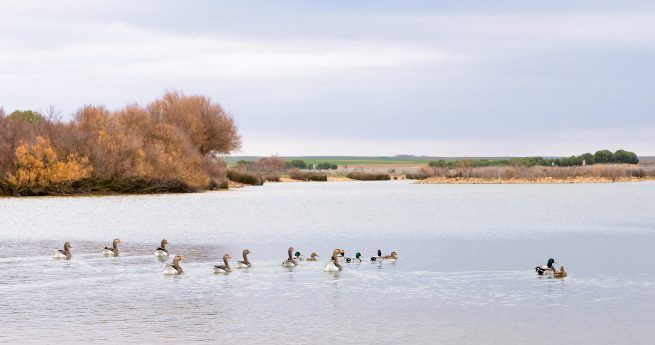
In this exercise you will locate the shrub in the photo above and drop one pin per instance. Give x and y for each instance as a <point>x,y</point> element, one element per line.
<point>307,176</point>
<point>361,176</point>
<point>245,178</point>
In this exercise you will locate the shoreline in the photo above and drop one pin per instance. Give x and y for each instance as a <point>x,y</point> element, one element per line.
<point>540,180</point>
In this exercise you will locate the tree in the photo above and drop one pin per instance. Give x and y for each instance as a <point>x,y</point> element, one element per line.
<point>26,115</point>
<point>603,156</point>
<point>39,168</point>
<point>622,156</point>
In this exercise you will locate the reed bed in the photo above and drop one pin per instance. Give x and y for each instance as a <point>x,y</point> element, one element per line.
<point>599,173</point>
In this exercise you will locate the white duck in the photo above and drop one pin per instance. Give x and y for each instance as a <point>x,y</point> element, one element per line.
<point>245,263</point>
<point>162,251</point>
<point>225,268</point>
<point>333,265</point>
<point>174,268</point>
<point>290,262</point>
<point>112,251</point>
<point>63,254</point>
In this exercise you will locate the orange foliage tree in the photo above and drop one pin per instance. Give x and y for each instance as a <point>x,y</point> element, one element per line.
<point>173,144</point>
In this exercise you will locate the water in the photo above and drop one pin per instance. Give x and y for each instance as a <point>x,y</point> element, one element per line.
<point>464,275</point>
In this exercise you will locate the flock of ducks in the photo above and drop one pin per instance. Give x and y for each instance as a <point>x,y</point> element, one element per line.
<point>293,259</point>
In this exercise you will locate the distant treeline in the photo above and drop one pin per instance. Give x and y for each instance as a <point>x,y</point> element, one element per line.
<point>173,144</point>
<point>282,165</point>
<point>600,157</point>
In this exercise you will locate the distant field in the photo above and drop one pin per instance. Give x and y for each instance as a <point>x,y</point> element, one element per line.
<point>345,160</point>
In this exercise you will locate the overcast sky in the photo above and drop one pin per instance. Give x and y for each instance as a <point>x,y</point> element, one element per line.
<point>354,78</point>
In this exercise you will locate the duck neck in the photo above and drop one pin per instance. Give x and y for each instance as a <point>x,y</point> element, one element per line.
<point>335,259</point>
<point>245,258</point>
<point>115,246</point>
<point>227,263</point>
<point>290,254</point>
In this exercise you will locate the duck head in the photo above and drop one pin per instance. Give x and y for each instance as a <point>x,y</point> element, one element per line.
<point>313,256</point>
<point>177,259</point>
<point>67,247</point>
<point>164,242</point>
<point>357,255</point>
<point>550,263</point>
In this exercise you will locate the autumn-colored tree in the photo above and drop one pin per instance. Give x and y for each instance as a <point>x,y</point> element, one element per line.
<point>172,144</point>
<point>39,169</point>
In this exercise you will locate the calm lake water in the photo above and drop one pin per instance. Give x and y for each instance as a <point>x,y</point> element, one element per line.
<point>465,274</point>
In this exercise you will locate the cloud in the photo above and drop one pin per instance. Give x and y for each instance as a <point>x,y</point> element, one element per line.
<point>353,73</point>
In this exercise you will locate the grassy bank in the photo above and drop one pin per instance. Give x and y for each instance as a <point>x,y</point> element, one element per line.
<point>540,174</point>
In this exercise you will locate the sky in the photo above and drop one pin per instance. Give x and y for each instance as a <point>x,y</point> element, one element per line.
<point>365,78</point>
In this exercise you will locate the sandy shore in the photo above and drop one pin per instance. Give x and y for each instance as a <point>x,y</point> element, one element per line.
<point>542,180</point>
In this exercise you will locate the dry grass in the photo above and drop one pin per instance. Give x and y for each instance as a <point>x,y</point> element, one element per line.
<point>540,174</point>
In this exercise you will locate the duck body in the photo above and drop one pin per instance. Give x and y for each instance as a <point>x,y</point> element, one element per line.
<point>225,268</point>
<point>162,251</point>
<point>330,266</point>
<point>113,251</point>
<point>391,257</point>
<point>333,265</point>
<point>245,263</point>
<point>174,268</point>
<point>356,259</point>
<point>377,258</point>
<point>290,262</point>
<point>549,270</point>
<point>313,257</point>
<point>63,254</point>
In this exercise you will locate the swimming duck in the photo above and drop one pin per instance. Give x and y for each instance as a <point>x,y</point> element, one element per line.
<point>290,262</point>
<point>333,265</point>
<point>64,254</point>
<point>297,256</point>
<point>225,268</point>
<point>175,267</point>
<point>357,258</point>
<point>162,251</point>
<point>550,271</point>
<point>391,257</point>
<point>313,257</point>
<point>376,258</point>
<point>245,263</point>
<point>112,251</point>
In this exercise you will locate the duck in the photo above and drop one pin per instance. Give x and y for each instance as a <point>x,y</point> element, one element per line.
<point>376,258</point>
<point>112,251</point>
<point>174,268</point>
<point>65,253</point>
<point>290,262</point>
<point>162,251</point>
<point>391,257</point>
<point>357,258</point>
<point>297,256</point>
<point>550,271</point>
<point>224,268</point>
<point>245,263</point>
<point>313,257</point>
<point>333,264</point>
